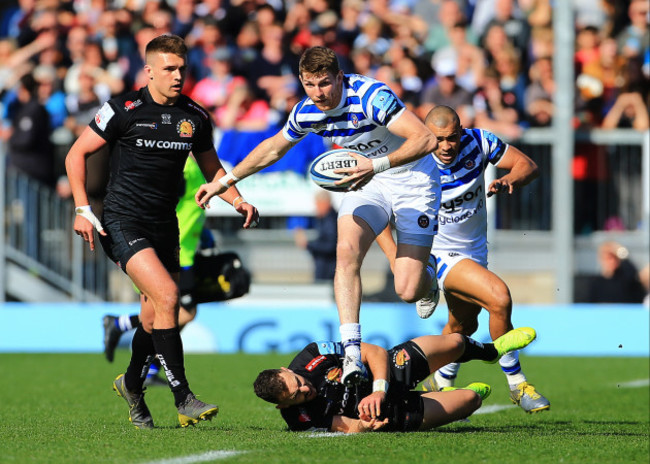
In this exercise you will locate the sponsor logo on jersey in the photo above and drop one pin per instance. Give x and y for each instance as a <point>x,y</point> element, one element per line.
<point>401,358</point>
<point>150,125</point>
<point>163,144</point>
<point>104,115</point>
<point>334,374</point>
<point>199,109</point>
<point>423,221</point>
<point>315,362</point>
<point>452,205</point>
<point>453,254</point>
<point>131,105</point>
<point>166,118</point>
<point>133,242</point>
<point>185,128</point>
<point>318,126</point>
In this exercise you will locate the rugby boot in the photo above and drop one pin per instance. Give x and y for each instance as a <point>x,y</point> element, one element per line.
<point>529,399</point>
<point>427,305</point>
<point>139,414</point>
<point>111,336</point>
<point>429,384</point>
<point>354,372</point>
<point>481,389</point>
<point>193,410</point>
<point>513,340</point>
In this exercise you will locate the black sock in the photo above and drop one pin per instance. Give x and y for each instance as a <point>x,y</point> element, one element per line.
<point>134,319</point>
<point>142,353</point>
<point>477,350</point>
<point>169,347</point>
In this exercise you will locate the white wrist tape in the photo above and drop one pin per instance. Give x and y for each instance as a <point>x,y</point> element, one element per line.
<point>229,180</point>
<point>380,164</point>
<point>380,385</point>
<point>238,201</point>
<point>87,213</point>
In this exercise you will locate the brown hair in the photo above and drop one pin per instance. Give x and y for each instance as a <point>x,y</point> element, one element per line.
<point>167,44</point>
<point>319,61</point>
<point>269,385</point>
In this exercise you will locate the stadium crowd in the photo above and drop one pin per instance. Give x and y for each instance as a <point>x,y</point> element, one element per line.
<point>489,59</point>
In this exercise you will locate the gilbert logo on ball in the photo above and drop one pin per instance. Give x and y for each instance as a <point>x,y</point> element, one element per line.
<point>322,168</point>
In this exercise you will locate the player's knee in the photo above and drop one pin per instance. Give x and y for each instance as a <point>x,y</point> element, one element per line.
<point>458,341</point>
<point>406,291</point>
<point>501,304</point>
<point>465,327</point>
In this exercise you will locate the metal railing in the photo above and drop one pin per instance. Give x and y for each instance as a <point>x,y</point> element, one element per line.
<point>38,239</point>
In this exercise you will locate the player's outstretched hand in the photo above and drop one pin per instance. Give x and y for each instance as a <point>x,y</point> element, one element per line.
<point>207,191</point>
<point>371,425</point>
<point>370,406</point>
<point>359,175</point>
<point>250,213</point>
<point>499,186</point>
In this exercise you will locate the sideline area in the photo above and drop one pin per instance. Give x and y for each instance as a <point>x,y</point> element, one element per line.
<point>287,325</point>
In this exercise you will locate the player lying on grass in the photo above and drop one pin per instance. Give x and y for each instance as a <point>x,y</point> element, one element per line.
<point>310,395</point>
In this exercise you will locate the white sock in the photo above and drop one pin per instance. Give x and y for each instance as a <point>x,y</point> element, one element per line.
<point>446,375</point>
<point>510,366</point>
<point>351,338</point>
<point>124,322</point>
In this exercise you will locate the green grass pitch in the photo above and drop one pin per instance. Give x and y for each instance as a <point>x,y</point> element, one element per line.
<point>60,408</point>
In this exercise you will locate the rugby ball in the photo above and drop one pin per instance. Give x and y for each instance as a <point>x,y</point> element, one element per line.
<point>322,168</point>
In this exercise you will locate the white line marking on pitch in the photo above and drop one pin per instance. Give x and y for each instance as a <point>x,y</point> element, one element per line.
<point>203,457</point>
<point>634,383</point>
<point>494,408</point>
<point>327,434</point>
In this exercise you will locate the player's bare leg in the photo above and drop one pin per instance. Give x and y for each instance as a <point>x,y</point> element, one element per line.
<point>354,239</point>
<point>468,288</point>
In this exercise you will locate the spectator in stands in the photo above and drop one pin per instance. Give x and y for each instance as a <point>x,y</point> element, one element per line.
<point>496,111</point>
<point>184,17</point>
<point>449,14</point>
<point>243,112</point>
<point>538,100</point>
<point>29,147</point>
<point>470,59</point>
<point>538,13</point>
<point>214,90</point>
<point>246,50</point>
<point>512,82</point>
<point>635,38</point>
<point>274,70</point>
<point>629,110</point>
<point>443,89</point>
<point>372,36</point>
<point>516,29</point>
<point>349,27</point>
<point>618,281</point>
<point>207,37</point>
<point>323,246</point>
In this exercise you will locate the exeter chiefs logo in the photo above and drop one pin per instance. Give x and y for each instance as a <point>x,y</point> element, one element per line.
<point>185,128</point>
<point>401,359</point>
<point>334,374</point>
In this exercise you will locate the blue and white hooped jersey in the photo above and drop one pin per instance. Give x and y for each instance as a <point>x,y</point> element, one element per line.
<point>462,218</point>
<point>360,121</point>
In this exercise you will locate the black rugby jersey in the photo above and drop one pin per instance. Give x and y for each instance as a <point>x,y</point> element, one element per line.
<point>321,363</point>
<point>149,146</point>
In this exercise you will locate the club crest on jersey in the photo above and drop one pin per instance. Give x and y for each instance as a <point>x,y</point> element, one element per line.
<point>469,164</point>
<point>130,105</point>
<point>423,221</point>
<point>185,128</point>
<point>401,358</point>
<point>334,374</point>
<point>355,120</point>
<point>166,118</point>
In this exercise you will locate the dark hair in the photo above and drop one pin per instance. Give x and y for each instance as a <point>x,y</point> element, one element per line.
<point>29,83</point>
<point>269,385</point>
<point>167,43</point>
<point>319,61</point>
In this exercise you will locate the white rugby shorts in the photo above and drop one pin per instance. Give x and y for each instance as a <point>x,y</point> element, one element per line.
<point>447,259</point>
<point>410,194</point>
